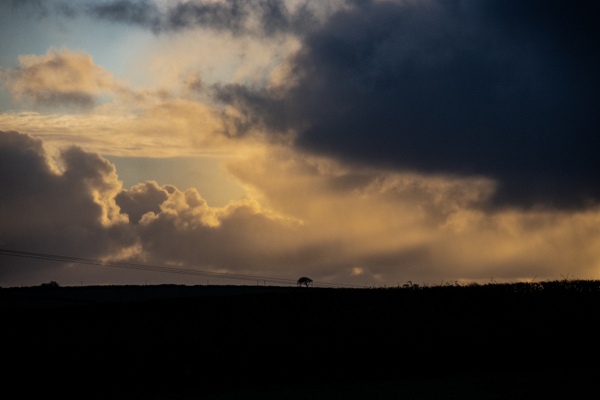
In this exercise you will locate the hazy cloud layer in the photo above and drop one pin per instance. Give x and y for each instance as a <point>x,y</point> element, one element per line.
<point>148,122</point>
<point>503,89</point>
<point>168,129</point>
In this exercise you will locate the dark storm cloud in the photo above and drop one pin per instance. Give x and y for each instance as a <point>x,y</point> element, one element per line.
<point>236,16</point>
<point>43,210</point>
<point>261,17</point>
<point>502,89</point>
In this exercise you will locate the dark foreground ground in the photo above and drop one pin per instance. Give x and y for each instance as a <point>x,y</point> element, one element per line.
<point>517,341</point>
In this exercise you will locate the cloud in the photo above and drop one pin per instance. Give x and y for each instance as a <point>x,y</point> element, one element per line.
<point>63,207</point>
<point>380,152</point>
<point>397,226</point>
<point>503,90</point>
<point>239,17</point>
<point>71,78</point>
<point>142,199</point>
<point>60,77</point>
<point>304,215</point>
<point>242,237</point>
<point>148,127</point>
<point>75,206</point>
<point>268,17</point>
<point>151,122</point>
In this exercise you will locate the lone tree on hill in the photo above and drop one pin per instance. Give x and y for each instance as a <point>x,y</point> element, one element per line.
<point>304,281</point>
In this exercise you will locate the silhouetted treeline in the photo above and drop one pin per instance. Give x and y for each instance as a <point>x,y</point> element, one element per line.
<point>203,343</point>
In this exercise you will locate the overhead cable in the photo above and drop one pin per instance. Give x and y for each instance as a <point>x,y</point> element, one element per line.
<point>160,269</point>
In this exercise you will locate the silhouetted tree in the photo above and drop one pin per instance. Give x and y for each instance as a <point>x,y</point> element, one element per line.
<point>51,285</point>
<point>304,281</point>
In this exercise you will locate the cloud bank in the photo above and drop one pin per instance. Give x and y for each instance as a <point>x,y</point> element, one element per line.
<point>76,206</point>
<point>505,90</point>
<point>304,215</point>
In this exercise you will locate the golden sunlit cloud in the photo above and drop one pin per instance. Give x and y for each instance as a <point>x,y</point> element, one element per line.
<point>390,224</point>
<point>59,77</point>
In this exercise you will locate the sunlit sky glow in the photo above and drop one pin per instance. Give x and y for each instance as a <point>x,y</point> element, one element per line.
<point>359,142</point>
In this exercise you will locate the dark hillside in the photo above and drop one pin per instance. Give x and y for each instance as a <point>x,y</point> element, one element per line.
<point>256,339</point>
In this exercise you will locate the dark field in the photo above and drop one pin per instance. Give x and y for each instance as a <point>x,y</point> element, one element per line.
<point>496,341</point>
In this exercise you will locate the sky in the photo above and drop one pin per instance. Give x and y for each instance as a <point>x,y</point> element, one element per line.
<point>359,142</point>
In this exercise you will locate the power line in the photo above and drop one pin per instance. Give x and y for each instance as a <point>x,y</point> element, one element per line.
<point>160,269</point>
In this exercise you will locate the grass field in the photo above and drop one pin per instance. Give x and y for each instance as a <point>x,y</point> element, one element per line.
<point>498,341</point>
